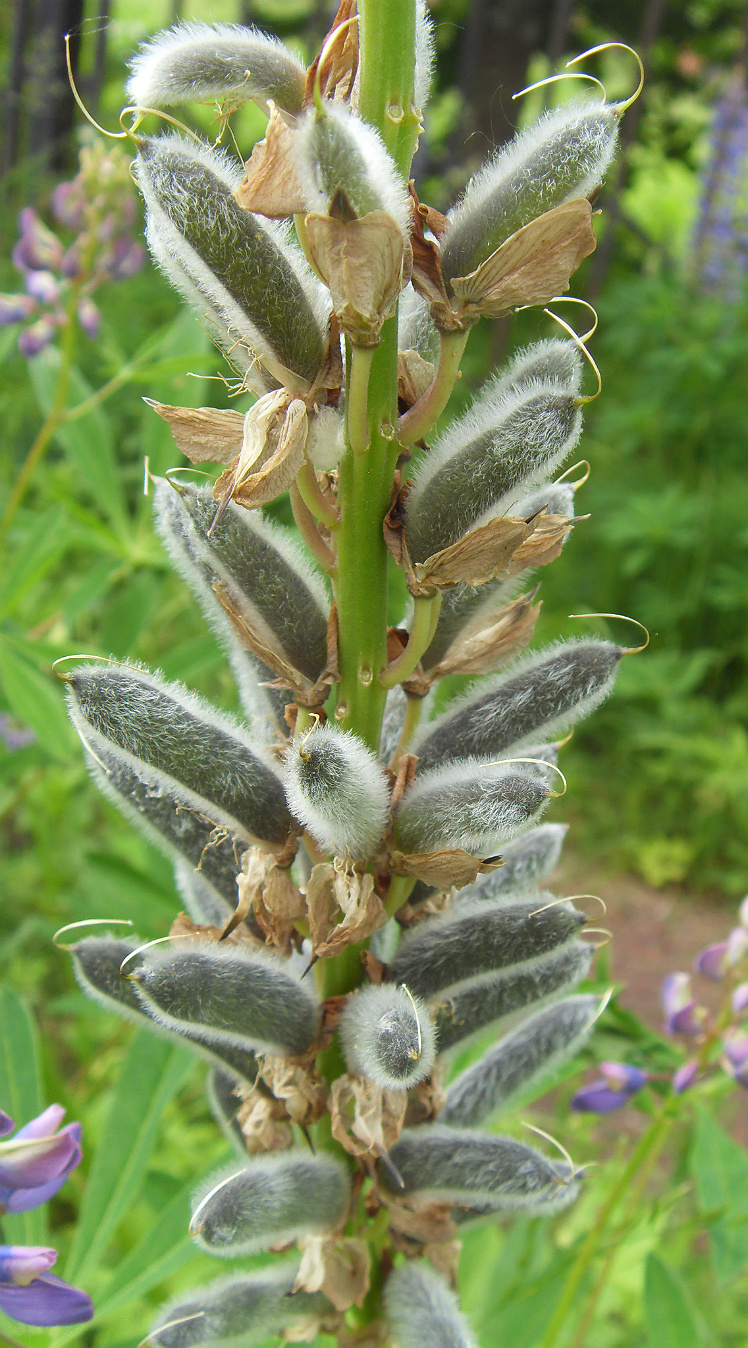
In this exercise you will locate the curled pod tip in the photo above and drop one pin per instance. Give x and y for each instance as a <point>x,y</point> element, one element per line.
<point>388,1036</point>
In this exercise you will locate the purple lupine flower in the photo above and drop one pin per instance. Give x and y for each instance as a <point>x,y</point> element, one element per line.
<point>38,249</point>
<point>711,961</point>
<point>735,1056</point>
<point>14,736</point>
<point>737,946</point>
<point>32,1295</point>
<point>20,1264</point>
<point>67,205</point>
<point>619,1082</point>
<point>124,259</point>
<point>15,308</point>
<point>71,266</point>
<point>42,286</point>
<point>683,1015</point>
<point>740,998</point>
<point>36,1162</point>
<point>34,339</point>
<point>685,1075</point>
<point>6,1124</point>
<point>89,316</point>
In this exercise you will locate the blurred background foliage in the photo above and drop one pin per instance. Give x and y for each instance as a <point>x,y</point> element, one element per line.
<point>658,777</point>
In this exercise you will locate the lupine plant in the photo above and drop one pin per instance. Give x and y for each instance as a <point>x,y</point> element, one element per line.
<point>362,870</point>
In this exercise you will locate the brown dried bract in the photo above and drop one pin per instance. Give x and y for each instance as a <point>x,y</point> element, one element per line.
<point>302,1093</point>
<point>426,1100</point>
<point>338,73</point>
<point>332,890</point>
<point>271,184</point>
<point>274,439</point>
<point>267,889</point>
<point>361,263</point>
<point>479,650</point>
<point>335,1266</point>
<point>366,1119</point>
<point>543,545</point>
<point>428,1224</point>
<point>426,275</point>
<point>452,866</point>
<point>184,928</point>
<point>482,555</point>
<point>414,376</point>
<point>264,1125</point>
<point>203,434</point>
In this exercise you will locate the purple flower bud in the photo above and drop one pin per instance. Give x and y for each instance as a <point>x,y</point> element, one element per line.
<point>71,266</point>
<point>46,1301</point>
<point>598,1098</point>
<point>15,308</point>
<point>622,1076</point>
<point>740,998</point>
<point>683,1015</point>
<point>37,248</point>
<point>34,339</point>
<point>737,946</point>
<point>20,1264</point>
<point>42,286</point>
<point>711,961</point>
<point>685,1075</point>
<point>14,736</point>
<point>89,317</point>
<point>735,1056</point>
<point>37,1161</point>
<point>6,1124</point>
<point>68,205</point>
<point>125,259</point>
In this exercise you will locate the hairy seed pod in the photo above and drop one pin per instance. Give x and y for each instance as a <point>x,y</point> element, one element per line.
<point>459,1166</point>
<point>488,458</point>
<point>224,1106</point>
<point>175,741</point>
<point>556,361</point>
<point>478,937</point>
<point>181,832</point>
<point>202,903</point>
<point>416,329</point>
<point>392,723</point>
<point>273,1200</point>
<point>243,268</point>
<point>205,62</point>
<point>97,962</point>
<point>540,696</point>
<point>554,498</point>
<point>467,804</point>
<point>339,155</point>
<point>519,1061</point>
<point>238,1311</point>
<point>220,994</point>
<point>338,790</point>
<point>388,1036</point>
<point>527,860</point>
<point>475,1004</point>
<point>266,575</point>
<point>562,157</point>
<point>422,1309</point>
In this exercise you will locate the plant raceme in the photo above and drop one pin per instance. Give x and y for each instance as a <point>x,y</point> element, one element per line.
<point>363,880</point>
<point>34,1164</point>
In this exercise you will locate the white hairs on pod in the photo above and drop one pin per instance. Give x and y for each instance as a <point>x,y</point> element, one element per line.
<point>271,1200</point>
<point>238,1311</point>
<point>556,360</point>
<point>540,695</point>
<point>388,1036</point>
<point>425,55</point>
<point>561,157</point>
<point>224,1106</point>
<point>423,1310</point>
<point>470,804</point>
<point>556,498</point>
<point>223,994</point>
<point>202,62</point>
<point>520,1062</point>
<point>202,902</point>
<point>416,329</point>
<point>527,860</point>
<point>179,745</point>
<point>338,790</point>
<point>338,152</point>
<point>392,723</point>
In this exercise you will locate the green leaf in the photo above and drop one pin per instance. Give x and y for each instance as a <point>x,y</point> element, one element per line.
<point>151,1074</point>
<point>21,1097</point>
<point>720,1169</point>
<point>668,1313</point>
<point>48,538</point>
<point>34,699</point>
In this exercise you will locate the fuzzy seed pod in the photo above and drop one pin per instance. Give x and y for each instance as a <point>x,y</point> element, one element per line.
<point>241,268</point>
<point>487,459</point>
<point>479,937</point>
<point>179,745</point>
<point>422,1309</point>
<point>540,696</point>
<point>223,995</point>
<point>274,1199</point>
<point>475,1004</point>
<point>238,1311</point>
<point>466,804</point>
<point>201,901</point>
<point>267,577</point>
<point>520,1061</point>
<point>554,498</point>
<point>562,157</point>
<point>392,723</point>
<point>205,62</point>
<point>96,963</point>
<point>338,790</point>
<point>416,329</point>
<point>555,361</point>
<point>340,156</point>
<point>459,1166</point>
<point>527,860</point>
<point>388,1037</point>
<point>224,1106</point>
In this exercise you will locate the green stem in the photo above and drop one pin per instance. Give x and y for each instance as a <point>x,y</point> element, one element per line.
<point>308,530</point>
<point>419,419</point>
<point>358,394</point>
<point>425,617</point>
<point>313,496</point>
<point>413,709</point>
<point>651,1140</point>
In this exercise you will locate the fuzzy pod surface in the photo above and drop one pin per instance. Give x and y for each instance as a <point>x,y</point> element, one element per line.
<point>178,743</point>
<point>339,155</point>
<point>274,1199</point>
<point>224,1106</point>
<point>459,1166</point>
<point>388,1036</point>
<point>520,1061</point>
<point>541,696</point>
<point>478,937</point>
<point>221,995</point>
<point>242,267</point>
<point>237,1311</point>
<point>338,790</point>
<point>562,157</point>
<point>527,860</point>
<point>468,804</point>
<point>504,444</point>
<point>422,1309</point>
<point>202,62</point>
<point>267,576</point>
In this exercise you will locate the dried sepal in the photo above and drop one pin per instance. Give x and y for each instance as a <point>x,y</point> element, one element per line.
<point>274,439</point>
<point>334,70</point>
<point>421,1308</point>
<point>388,1036</point>
<point>343,908</point>
<point>271,184</point>
<point>337,1267</point>
<point>484,643</point>
<point>527,860</point>
<point>520,1062</point>
<point>272,1200</point>
<point>203,434</point>
<point>366,1119</point>
<point>237,1311</point>
<point>203,63</point>
<point>361,262</point>
<point>338,790</point>
<point>269,893</point>
<point>468,804</point>
<point>442,869</point>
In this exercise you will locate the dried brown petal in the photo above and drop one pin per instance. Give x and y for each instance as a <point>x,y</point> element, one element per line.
<point>544,544</point>
<point>272,452</point>
<point>337,1267</point>
<point>366,1120</point>
<point>414,376</point>
<point>452,866</point>
<point>267,889</point>
<point>338,73</point>
<point>361,262</point>
<point>428,1224</point>
<point>302,1093</point>
<point>333,890</point>
<point>263,1124</point>
<point>271,186</point>
<point>203,434</point>
<point>480,651</point>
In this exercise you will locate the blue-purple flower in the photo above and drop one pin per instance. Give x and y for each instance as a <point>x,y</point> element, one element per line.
<point>619,1082</point>
<point>685,1076</point>
<point>683,1015</point>
<point>735,1056</point>
<point>33,1295</point>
